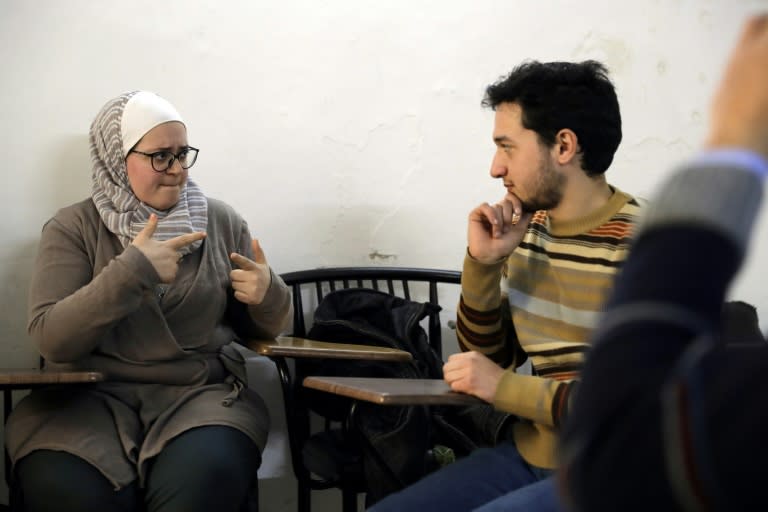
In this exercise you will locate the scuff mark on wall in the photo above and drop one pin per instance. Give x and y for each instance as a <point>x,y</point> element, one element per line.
<point>696,117</point>
<point>612,52</point>
<point>382,257</point>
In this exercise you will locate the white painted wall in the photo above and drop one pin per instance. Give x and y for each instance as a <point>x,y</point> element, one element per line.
<point>345,132</point>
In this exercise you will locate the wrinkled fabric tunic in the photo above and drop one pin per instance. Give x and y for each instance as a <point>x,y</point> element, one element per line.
<point>167,353</point>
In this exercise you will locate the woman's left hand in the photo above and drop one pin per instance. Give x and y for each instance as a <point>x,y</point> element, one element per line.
<point>252,279</point>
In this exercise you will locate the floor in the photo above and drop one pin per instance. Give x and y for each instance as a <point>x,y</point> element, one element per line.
<point>279,495</point>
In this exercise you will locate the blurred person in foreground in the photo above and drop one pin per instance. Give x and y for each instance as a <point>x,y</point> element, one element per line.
<point>669,415</point>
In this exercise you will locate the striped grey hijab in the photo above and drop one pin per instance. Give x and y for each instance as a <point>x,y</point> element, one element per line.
<point>121,211</point>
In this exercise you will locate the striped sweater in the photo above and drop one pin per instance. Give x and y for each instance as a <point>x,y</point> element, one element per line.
<point>553,288</point>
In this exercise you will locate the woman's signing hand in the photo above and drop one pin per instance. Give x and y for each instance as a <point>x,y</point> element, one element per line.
<point>165,255</point>
<point>252,279</point>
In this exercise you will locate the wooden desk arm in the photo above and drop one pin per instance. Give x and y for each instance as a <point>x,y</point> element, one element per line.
<point>388,391</point>
<point>289,346</point>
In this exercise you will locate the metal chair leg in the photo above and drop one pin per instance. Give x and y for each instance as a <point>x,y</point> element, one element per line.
<point>348,500</point>
<point>305,498</point>
<point>7,407</point>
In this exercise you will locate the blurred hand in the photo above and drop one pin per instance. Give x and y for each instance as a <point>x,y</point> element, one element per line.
<point>495,231</point>
<point>474,374</point>
<point>164,256</point>
<point>739,116</point>
<point>252,279</point>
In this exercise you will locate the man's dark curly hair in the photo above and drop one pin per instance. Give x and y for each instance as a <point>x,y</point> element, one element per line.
<point>558,95</point>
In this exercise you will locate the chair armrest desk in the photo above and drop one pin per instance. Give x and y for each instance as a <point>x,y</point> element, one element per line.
<point>15,378</point>
<point>288,346</point>
<point>387,391</point>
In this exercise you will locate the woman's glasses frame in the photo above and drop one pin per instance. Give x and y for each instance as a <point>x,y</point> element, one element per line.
<point>164,159</point>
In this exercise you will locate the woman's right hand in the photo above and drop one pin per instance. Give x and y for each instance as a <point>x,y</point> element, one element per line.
<point>165,255</point>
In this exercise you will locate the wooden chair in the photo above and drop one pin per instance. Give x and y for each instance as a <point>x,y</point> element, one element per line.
<point>23,379</point>
<point>309,287</point>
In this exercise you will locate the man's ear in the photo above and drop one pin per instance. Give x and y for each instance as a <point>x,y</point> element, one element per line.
<point>566,146</point>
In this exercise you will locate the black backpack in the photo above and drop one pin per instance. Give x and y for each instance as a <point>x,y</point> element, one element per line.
<point>396,446</point>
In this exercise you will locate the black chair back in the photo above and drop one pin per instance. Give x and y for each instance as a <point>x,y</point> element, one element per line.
<point>308,288</point>
<point>393,280</point>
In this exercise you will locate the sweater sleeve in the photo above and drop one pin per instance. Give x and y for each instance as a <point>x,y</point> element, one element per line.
<point>485,325</point>
<point>70,308</point>
<point>271,316</point>
<point>538,399</point>
<point>483,322</point>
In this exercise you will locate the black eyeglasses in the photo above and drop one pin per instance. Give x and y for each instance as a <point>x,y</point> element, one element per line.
<point>163,160</point>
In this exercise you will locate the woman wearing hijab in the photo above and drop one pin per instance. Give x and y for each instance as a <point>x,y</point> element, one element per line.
<point>149,282</point>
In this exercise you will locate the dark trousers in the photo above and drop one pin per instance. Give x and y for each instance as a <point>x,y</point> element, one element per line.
<point>203,469</point>
<point>481,477</point>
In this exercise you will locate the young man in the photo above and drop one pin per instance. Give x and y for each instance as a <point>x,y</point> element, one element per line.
<point>683,428</point>
<point>555,242</point>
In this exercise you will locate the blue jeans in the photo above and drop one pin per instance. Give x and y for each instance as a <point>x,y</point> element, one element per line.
<point>539,497</point>
<point>485,476</point>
